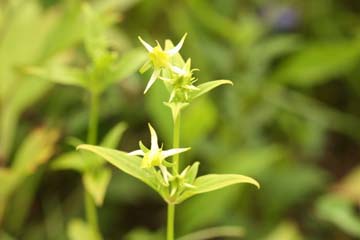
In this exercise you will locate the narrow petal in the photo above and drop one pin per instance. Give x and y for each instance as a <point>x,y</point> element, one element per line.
<point>154,139</point>
<point>136,153</point>
<point>174,151</point>
<point>177,48</point>
<point>187,65</point>
<point>146,45</point>
<point>152,80</point>
<point>178,70</point>
<point>142,147</point>
<point>165,175</point>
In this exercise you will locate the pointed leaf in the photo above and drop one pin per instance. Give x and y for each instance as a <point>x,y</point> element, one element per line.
<point>213,182</point>
<point>208,86</point>
<point>125,162</point>
<point>128,64</point>
<point>96,183</point>
<point>58,73</point>
<point>112,138</point>
<point>37,148</point>
<point>192,173</point>
<point>70,160</point>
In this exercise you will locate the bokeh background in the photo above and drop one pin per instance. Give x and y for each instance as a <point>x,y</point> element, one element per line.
<point>291,120</point>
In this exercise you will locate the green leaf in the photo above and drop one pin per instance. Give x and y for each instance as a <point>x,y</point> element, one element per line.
<point>208,86</point>
<point>124,162</point>
<point>339,211</point>
<point>192,173</point>
<point>128,64</point>
<point>96,183</point>
<point>71,160</point>
<point>94,33</point>
<point>58,73</point>
<point>112,138</point>
<point>213,182</point>
<point>319,63</point>
<point>34,151</point>
<point>79,230</point>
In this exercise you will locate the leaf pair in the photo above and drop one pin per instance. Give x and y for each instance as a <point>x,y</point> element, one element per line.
<point>131,165</point>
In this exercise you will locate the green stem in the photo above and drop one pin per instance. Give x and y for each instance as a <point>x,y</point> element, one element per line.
<point>171,207</point>
<point>170,222</point>
<point>176,144</point>
<point>91,212</point>
<point>90,207</point>
<point>93,119</point>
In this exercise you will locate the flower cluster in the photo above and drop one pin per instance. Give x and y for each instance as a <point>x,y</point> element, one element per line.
<point>154,158</point>
<point>169,66</point>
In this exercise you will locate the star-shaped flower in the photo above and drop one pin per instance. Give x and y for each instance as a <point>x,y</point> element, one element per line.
<point>155,156</point>
<point>159,59</point>
<point>182,82</point>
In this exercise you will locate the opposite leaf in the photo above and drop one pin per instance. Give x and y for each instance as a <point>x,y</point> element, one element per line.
<point>125,162</point>
<point>112,138</point>
<point>128,64</point>
<point>96,183</point>
<point>208,86</point>
<point>213,182</point>
<point>58,73</point>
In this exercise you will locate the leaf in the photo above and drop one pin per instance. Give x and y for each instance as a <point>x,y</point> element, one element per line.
<point>58,73</point>
<point>208,86</point>
<point>212,182</point>
<point>71,160</point>
<point>94,33</point>
<point>319,63</point>
<point>112,138</point>
<point>34,151</point>
<point>192,173</point>
<point>340,212</point>
<point>128,64</point>
<point>124,162</point>
<point>96,183</point>
<point>79,230</point>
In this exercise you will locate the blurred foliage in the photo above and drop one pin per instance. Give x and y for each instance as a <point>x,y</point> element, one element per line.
<point>292,119</point>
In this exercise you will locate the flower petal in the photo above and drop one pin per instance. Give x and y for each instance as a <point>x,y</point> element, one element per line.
<point>152,80</point>
<point>178,70</point>
<point>137,153</point>
<point>174,151</point>
<point>154,139</point>
<point>177,48</point>
<point>146,45</point>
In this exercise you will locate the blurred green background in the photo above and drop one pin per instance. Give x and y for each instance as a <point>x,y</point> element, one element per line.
<point>292,119</point>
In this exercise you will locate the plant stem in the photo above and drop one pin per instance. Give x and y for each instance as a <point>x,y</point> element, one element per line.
<point>170,222</point>
<point>90,207</point>
<point>94,119</point>
<point>176,144</point>
<point>91,213</point>
<point>171,207</point>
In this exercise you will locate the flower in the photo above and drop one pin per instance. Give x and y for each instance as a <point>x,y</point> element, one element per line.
<point>159,59</point>
<point>181,82</point>
<point>155,156</point>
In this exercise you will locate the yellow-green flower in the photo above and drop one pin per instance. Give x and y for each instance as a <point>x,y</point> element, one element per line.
<point>181,82</point>
<point>160,59</point>
<point>155,156</point>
